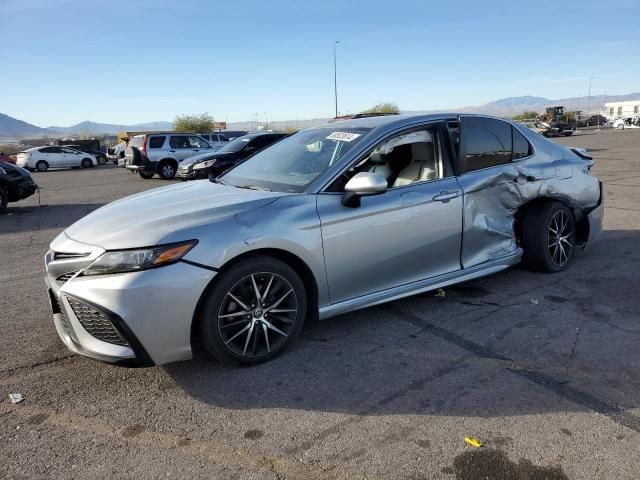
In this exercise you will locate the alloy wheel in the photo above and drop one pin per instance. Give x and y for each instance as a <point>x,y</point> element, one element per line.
<point>257,314</point>
<point>168,171</point>
<point>560,238</point>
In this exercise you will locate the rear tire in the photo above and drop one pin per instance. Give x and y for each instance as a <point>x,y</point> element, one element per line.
<point>86,163</point>
<point>42,166</point>
<point>4,199</point>
<point>234,334</point>
<point>167,170</point>
<point>145,175</point>
<point>548,237</point>
<point>620,126</point>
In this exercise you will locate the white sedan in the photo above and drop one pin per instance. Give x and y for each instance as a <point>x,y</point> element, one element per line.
<point>52,156</point>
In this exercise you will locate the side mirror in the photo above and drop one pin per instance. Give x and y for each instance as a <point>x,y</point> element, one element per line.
<point>363,183</point>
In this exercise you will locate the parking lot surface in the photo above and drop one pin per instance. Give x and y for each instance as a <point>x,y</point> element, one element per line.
<point>543,369</point>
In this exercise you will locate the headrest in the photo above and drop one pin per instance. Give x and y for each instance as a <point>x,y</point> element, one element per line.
<point>422,152</point>
<point>378,158</point>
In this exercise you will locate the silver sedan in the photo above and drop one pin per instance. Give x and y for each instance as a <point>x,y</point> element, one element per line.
<point>332,219</point>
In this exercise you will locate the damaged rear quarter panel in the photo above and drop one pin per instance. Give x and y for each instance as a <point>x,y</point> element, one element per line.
<point>493,196</point>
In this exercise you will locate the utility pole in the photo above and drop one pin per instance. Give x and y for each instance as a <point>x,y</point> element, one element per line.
<point>335,75</point>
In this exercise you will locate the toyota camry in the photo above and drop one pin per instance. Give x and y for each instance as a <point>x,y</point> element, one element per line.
<point>329,220</point>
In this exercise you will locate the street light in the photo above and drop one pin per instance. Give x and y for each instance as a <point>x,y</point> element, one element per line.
<point>335,75</point>
<point>589,99</point>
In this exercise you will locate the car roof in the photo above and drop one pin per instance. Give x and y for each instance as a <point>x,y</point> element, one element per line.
<point>388,120</point>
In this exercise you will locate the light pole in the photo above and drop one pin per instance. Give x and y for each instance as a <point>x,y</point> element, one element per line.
<point>335,75</point>
<point>589,98</point>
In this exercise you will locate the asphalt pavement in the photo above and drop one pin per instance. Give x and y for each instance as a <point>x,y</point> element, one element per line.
<point>543,369</point>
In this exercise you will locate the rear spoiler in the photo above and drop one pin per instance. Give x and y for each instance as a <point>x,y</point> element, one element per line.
<point>581,152</point>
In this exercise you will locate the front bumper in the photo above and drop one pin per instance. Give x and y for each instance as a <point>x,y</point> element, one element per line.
<point>152,310</point>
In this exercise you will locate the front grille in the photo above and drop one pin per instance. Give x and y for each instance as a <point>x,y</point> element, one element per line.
<point>64,321</point>
<point>96,323</point>
<point>64,277</point>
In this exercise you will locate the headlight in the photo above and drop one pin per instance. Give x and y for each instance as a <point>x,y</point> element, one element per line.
<point>206,164</point>
<point>118,261</point>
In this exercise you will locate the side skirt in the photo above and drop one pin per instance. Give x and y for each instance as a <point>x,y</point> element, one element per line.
<point>433,283</point>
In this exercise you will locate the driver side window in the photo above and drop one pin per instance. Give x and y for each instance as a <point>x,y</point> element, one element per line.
<point>404,159</point>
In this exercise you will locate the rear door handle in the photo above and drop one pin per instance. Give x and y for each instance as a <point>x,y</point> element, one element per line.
<point>445,196</point>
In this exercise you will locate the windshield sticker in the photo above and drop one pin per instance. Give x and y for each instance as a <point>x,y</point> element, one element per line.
<point>343,136</point>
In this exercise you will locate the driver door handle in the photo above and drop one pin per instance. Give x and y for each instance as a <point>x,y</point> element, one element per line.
<point>445,196</point>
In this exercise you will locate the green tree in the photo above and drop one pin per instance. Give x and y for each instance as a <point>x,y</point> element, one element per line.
<point>202,123</point>
<point>526,116</point>
<point>383,108</point>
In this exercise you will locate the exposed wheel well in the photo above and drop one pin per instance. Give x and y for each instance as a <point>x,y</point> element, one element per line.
<point>168,160</point>
<point>582,224</point>
<point>295,262</point>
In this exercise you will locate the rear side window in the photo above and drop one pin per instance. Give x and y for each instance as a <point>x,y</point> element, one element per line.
<point>156,142</point>
<point>179,142</point>
<point>521,147</point>
<point>486,142</point>
<point>50,150</point>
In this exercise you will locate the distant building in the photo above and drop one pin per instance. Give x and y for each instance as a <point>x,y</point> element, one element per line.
<point>629,108</point>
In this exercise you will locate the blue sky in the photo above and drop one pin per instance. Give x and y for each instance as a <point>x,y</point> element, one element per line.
<point>64,61</point>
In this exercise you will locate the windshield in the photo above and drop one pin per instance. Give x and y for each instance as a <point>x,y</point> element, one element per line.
<point>235,145</point>
<point>291,164</point>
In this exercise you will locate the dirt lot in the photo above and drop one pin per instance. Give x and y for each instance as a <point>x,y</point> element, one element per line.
<point>543,369</point>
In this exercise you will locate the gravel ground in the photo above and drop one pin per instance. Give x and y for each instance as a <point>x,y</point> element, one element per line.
<point>542,369</point>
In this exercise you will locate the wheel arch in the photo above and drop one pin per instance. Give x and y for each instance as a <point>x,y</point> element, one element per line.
<point>294,261</point>
<point>581,221</point>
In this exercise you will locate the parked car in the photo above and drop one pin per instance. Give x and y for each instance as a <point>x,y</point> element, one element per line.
<point>216,140</point>
<point>559,130</point>
<point>628,122</point>
<point>101,158</point>
<point>329,220</point>
<point>201,166</point>
<point>161,153</point>
<point>7,158</point>
<point>116,152</point>
<point>15,184</point>
<point>593,121</point>
<point>52,156</point>
<point>538,127</point>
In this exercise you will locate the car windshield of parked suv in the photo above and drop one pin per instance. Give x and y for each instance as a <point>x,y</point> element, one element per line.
<point>291,164</point>
<point>236,145</point>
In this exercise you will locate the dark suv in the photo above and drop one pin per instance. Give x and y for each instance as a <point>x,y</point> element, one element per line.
<point>216,163</point>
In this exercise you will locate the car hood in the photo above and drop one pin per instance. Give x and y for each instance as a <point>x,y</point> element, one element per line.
<point>146,218</point>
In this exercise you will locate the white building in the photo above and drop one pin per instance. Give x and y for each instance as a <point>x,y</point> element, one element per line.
<point>629,108</point>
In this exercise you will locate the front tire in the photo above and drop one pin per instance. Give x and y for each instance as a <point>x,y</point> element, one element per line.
<point>620,126</point>
<point>548,237</point>
<point>86,163</point>
<point>254,310</point>
<point>102,160</point>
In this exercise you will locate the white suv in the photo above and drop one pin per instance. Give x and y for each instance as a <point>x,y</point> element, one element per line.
<point>161,153</point>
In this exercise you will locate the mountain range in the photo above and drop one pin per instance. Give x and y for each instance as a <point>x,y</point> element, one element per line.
<point>14,129</point>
